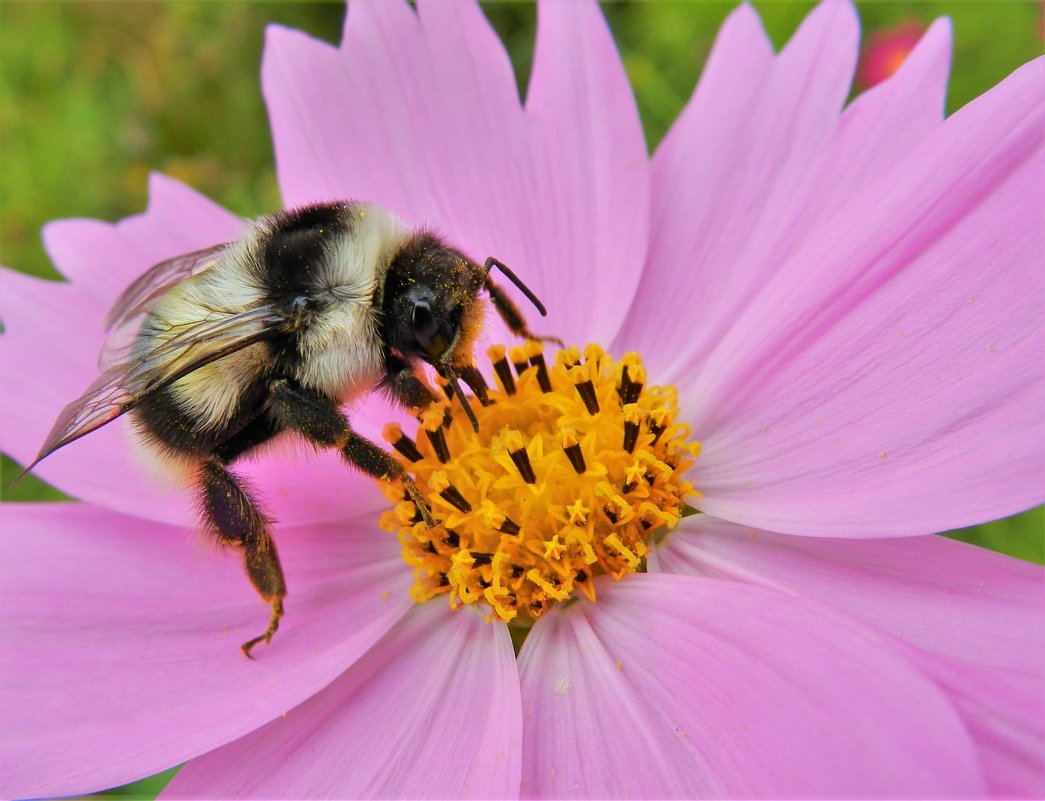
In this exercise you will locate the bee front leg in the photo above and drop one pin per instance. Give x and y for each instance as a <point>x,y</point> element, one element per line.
<point>318,418</point>
<point>405,385</point>
<point>236,520</point>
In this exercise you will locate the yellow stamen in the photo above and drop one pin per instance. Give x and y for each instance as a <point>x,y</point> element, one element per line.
<point>577,467</point>
<point>553,548</point>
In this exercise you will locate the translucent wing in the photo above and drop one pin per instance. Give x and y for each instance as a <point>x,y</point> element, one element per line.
<point>124,386</point>
<point>158,280</point>
<point>127,315</point>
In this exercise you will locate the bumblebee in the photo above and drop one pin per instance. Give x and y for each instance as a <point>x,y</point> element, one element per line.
<point>216,352</point>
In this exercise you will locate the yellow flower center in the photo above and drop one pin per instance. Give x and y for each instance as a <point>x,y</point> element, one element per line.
<point>574,469</point>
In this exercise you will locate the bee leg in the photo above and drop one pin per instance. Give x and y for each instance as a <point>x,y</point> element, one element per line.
<point>318,418</point>
<point>470,374</point>
<point>406,386</point>
<point>235,518</point>
<point>511,315</point>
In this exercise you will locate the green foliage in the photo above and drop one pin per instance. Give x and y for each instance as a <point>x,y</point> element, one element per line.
<point>94,96</point>
<point>1022,536</point>
<point>142,790</point>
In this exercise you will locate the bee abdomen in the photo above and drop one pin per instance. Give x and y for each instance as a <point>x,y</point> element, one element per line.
<point>189,421</point>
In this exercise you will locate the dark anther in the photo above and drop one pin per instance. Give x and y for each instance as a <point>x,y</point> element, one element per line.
<point>454,497</point>
<point>504,373</point>
<point>610,514</point>
<point>483,583</point>
<point>481,559</point>
<point>430,547</point>
<point>443,580</point>
<point>406,446</point>
<point>438,440</point>
<point>537,360</point>
<point>581,576</point>
<point>576,457</point>
<point>628,487</point>
<point>521,367</point>
<point>646,525</point>
<point>622,388</point>
<point>586,389</point>
<point>522,462</point>
<point>656,431</point>
<point>517,570</point>
<point>509,526</point>
<point>629,389</point>
<point>453,539</point>
<point>631,436</point>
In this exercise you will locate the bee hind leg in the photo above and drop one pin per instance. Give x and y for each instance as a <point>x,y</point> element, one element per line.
<point>235,518</point>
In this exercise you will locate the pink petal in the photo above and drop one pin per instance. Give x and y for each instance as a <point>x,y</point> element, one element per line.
<point>955,599</point>
<point>104,258</point>
<point>590,156</point>
<point>888,379</point>
<point>737,178</point>
<point>108,468</point>
<point>879,127</point>
<point>121,641</point>
<point>62,326</point>
<point>1004,715</point>
<point>433,711</point>
<point>420,112</point>
<point>386,62</point>
<point>976,619</point>
<point>674,687</point>
<point>102,467</point>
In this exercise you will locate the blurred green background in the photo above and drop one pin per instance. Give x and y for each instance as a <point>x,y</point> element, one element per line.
<point>95,95</point>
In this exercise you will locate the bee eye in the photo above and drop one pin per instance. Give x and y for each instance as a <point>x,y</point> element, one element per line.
<point>424,324</point>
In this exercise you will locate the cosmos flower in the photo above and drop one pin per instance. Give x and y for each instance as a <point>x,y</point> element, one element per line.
<point>885,51</point>
<point>847,301</point>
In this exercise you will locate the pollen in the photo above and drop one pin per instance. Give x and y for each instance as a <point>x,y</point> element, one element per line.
<point>578,466</point>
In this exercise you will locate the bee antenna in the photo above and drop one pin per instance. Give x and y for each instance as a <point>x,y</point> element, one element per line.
<point>492,262</point>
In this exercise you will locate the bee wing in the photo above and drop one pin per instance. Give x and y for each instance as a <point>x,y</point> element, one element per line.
<point>127,315</point>
<point>124,386</point>
<point>157,280</point>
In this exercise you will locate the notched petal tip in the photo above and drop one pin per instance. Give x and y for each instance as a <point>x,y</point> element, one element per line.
<point>833,26</point>
<point>926,68</point>
<point>744,18</point>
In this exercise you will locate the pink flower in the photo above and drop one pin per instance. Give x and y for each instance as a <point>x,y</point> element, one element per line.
<point>885,51</point>
<point>849,302</point>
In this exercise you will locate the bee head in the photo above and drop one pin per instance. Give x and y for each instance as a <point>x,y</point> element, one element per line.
<point>431,310</point>
<point>430,303</point>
